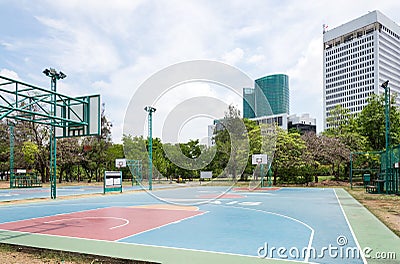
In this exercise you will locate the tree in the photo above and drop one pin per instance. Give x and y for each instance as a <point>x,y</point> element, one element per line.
<point>289,152</point>
<point>30,151</point>
<point>371,122</point>
<point>95,158</point>
<point>338,118</point>
<point>4,147</point>
<point>135,149</point>
<point>233,143</point>
<point>69,154</point>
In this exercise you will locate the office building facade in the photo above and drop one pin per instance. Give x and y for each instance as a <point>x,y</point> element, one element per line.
<point>270,96</point>
<point>249,102</point>
<point>276,90</point>
<point>303,123</point>
<point>357,58</point>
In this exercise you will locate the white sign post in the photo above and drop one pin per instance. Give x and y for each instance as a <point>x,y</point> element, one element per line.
<point>112,181</point>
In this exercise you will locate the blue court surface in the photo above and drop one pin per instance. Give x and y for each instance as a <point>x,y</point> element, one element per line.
<point>171,225</point>
<point>43,192</point>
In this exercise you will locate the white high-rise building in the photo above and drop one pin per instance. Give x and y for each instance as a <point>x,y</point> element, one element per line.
<point>358,57</point>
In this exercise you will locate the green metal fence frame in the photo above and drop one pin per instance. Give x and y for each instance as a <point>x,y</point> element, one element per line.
<point>136,168</point>
<point>388,175</point>
<point>25,102</point>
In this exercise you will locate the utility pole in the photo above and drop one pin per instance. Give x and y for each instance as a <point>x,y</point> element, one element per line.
<point>385,86</point>
<point>54,75</point>
<point>150,111</point>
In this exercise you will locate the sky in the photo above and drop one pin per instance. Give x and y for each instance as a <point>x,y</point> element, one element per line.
<point>112,47</point>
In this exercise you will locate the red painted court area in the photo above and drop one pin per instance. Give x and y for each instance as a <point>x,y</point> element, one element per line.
<point>110,224</point>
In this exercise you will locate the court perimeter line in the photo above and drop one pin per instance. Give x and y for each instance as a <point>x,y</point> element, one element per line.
<point>138,244</point>
<point>216,252</point>
<point>351,229</point>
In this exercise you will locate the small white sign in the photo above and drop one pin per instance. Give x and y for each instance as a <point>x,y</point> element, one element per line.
<point>109,181</point>
<point>205,174</point>
<point>117,181</point>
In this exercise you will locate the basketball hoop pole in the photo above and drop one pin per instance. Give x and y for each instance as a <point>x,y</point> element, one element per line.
<point>262,174</point>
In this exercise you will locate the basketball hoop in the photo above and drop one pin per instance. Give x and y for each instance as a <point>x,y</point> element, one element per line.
<point>120,163</point>
<point>258,159</point>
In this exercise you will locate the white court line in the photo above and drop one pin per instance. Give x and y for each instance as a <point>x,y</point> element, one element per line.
<point>92,217</point>
<point>158,227</point>
<point>110,244</point>
<point>213,252</point>
<point>307,257</point>
<point>351,229</point>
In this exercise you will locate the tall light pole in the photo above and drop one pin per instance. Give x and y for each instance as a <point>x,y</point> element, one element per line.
<point>385,86</point>
<point>150,110</point>
<point>12,176</point>
<point>54,75</point>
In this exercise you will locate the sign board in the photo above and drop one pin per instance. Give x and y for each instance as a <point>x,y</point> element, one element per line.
<point>120,163</point>
<point>112,181</point>
<point>205,174</point>
<point>259,159</point>
<point>79,116</point>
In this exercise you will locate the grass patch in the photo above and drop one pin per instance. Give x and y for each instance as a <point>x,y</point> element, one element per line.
<point>21,254</point>
<point>385,207</point>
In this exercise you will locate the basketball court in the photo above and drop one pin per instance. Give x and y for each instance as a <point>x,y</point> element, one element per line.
<point>205,224</point>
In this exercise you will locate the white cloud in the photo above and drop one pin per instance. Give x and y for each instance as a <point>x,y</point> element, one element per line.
<point>307,71</point>
<point>6,45</point>
<point>306,82</point>
<point>79,48</point>
<point>112,47</point>
<point>256,58</point>
<point>233,57</point>
<point>10,74</point>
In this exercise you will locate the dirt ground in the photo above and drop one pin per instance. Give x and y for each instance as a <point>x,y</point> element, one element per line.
<point>23,255</point>
<point>385,207</point>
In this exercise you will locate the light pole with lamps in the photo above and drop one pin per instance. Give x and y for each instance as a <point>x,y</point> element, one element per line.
<point>54,75</point>
<point>150,110</point>
<point>385,86</point>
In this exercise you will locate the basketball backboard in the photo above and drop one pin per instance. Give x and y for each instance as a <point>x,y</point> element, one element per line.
<point>259,159</point>
<point>120,163</point>
<point>79,116</point>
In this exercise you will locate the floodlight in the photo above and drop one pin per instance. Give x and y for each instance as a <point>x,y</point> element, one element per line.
<point>385,84</point>
<point>53,74</point>
<point>46,72</point>
<point>62,75</point>
<point>149,109</point>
